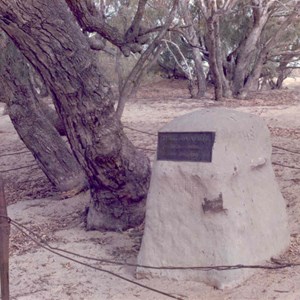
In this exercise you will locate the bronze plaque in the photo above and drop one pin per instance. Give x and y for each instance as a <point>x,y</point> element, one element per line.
<point>185,146</point>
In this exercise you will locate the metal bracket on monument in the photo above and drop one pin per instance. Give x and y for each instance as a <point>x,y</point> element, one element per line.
<point>214,206</point>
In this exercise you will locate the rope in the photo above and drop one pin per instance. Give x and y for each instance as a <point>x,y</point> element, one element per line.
<point>145,149</point>
<point>285,149</point>
<point>19,168</point>
<point>285,166</point>
<point>202,268</point>
<point>14,153</point>
<point>44,246</point>
<point>141,131</point>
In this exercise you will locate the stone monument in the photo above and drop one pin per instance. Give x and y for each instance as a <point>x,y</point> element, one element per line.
<point>213,199</point>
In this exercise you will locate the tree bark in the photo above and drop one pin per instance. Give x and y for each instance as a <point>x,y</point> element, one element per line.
<point>248,48</point>
<point>252,81</point>
<point>283,72</point>
<point>133,31</point>
<point>40,137</point>
<point>201,78</point>
<point>197,55</point>
<point>220,57</point>
<point>52,116</point>
<point>48,35</point>
<point>90,20</point>
<point>213,11</point>
<point>213,59</point>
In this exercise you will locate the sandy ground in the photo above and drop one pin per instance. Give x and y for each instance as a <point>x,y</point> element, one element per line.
<point>39,274</point>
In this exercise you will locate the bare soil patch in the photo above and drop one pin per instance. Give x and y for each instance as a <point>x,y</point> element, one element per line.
<point>39,274</point>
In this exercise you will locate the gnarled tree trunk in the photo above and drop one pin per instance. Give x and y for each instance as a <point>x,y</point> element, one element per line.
<point>37,133</point>
<point>52,116</point>
<point>47,34</point>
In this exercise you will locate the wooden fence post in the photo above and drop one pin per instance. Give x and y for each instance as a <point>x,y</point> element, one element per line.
<point>4,245</point>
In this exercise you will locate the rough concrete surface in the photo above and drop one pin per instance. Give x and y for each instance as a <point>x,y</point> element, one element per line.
<point>225,212</point>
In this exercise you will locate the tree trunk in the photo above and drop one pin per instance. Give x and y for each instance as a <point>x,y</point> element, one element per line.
<point>248,49</point>
<point>252,81</point>
<point>201,79</point>
<point>196,52</point>
<point>213,60</point>
<point>53,42</point>
<point>283,72</point>
<point>226,90</point>
<point>52,116</point>
<point>40,137</point>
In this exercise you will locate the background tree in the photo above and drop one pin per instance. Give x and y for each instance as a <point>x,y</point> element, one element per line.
<point>210,11</point>
<point>239,40</point>
<point>279,47</point>
<point>231,35</point>
<point>193,37</point>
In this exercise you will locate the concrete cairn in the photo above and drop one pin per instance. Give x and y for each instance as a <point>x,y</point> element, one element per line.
<point>225,212</point>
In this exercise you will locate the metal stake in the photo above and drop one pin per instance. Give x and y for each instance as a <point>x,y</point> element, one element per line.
<point>4,245</point>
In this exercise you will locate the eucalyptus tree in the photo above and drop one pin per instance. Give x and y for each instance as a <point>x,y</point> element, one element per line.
<point>237,68</point>
<point>279,47</point>
<point>212,11</point>
<point>47,33</point>
<point>192,36</point>
<point>140,37</point>
<point>28,116</point>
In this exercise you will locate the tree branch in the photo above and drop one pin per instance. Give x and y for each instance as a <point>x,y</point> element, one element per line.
<point>134,28</point>
<point>91,23</point>
<point>143,59</point>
